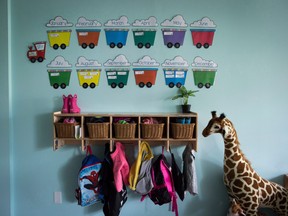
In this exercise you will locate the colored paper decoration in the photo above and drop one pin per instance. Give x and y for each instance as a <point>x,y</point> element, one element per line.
<point>144,36</point>
<point>204,72</point>
<point>117,35</point>
<point>88,77</point>
<point>59,38</point>
<point>37,51</point>
<point>59,75</point>
<point>145,71</point>
<point>174,35</point>
<point>88,36</point>
<point>202,32</point>
<point>175,71</point>
<point>117,76</point>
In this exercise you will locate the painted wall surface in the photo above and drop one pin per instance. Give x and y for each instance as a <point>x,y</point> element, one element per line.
<point>5,144</point>
<point>250,47</point>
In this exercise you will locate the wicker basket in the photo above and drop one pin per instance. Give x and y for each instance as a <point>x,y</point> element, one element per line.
<point>65,130</point>
<point>152,131</point>
<point>98,130</point>
<point>124,131</point>
<point>182,131</point>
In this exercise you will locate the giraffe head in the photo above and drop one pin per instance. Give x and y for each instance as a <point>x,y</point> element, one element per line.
<point>220,125</point>
<point>215,125</point>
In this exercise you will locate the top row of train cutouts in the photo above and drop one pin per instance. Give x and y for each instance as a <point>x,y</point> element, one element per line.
<point>88,32</point>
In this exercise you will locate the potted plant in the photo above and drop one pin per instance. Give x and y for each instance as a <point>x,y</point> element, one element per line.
<point>185,94</point>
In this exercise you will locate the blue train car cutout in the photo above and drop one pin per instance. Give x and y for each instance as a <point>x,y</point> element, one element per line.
<point>116,37</point>
<point>175,76</point>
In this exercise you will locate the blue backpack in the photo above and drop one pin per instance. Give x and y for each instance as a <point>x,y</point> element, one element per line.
<point>88,192</point>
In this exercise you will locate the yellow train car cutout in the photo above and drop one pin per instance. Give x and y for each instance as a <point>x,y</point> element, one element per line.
<point>59,38</point>
<point>88,77</point>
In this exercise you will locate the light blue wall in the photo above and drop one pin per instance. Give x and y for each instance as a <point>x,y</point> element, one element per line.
<point>250,47</point>
<point>5,142</point>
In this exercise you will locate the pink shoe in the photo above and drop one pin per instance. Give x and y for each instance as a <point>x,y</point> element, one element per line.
<point>65,108</point>
<point>73,104</point>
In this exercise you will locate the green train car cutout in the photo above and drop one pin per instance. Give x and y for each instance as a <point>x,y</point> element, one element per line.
<point>59,78</point>
<point>204,77</point>
<point>117,77</point>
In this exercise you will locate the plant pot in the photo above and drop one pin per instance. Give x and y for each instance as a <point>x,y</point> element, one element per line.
<point>186,108</point>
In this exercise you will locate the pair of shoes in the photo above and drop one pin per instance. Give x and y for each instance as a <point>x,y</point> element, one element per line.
<point>70,104</point>
<point>70,120</point>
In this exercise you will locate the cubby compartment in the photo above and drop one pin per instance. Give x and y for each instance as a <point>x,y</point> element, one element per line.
<point>183,127</point>
<point>125,127</point>
<point>99,128</point>
<point>67,127</point>
<point>153,127</point>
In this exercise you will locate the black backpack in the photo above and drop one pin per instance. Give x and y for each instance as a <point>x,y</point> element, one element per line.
<point>113,200</point>
<point>163,187</point>
<point>178,178</point>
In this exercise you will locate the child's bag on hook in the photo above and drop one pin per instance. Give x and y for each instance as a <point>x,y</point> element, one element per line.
<point>88,191</point>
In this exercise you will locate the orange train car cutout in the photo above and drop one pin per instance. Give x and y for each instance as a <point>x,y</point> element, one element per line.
<point>88,37</point>
<point>145,76</point>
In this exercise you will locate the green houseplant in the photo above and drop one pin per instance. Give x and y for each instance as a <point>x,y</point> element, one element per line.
<point>184,95</point>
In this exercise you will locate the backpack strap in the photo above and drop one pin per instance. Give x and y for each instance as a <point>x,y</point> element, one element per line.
<point>88,150</point>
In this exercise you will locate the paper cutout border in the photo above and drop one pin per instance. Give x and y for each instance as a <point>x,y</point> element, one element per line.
<point>59,62</point>
<point>84,62</point>
<point>59,21</point>
<point>83,22</point>
<point>176,21</point>
<point>118,61</point>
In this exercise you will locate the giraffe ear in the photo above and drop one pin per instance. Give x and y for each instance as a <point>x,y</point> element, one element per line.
<point>222,116</point>
<point>213,114</point>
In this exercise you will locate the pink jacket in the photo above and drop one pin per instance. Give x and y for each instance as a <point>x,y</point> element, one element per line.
<point>120,166</point>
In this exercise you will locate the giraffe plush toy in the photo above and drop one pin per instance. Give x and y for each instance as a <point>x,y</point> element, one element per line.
<point>243,184</point>
<point>235,209</point>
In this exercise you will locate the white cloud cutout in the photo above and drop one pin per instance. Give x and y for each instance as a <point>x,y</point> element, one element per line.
<point>83,22</point>
<point>58,21</point>
<point>118,61</point>
<point>176,21</point>
<point>178,61</point>
<point>122,21</point>
<point>59,62</point>
<point>205,22</point>
<point>200,63</point>
<point>83,62</point>
<point>151,21</point>
<point>146,61</point>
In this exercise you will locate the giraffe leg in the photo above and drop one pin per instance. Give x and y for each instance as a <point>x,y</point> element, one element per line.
<point>250,209</point>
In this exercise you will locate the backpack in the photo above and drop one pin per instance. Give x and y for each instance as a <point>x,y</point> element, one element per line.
<point>113,200</point>
<point>163,191</point>
<point>140,176</point>
<point>88,192</point>
<point>178,178</point>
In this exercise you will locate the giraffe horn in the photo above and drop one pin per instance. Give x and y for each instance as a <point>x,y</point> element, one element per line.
<point>213,114</point>
<point>222,116</point>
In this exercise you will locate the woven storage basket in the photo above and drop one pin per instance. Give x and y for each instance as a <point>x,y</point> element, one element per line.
<point>182,131</point>
<point>152,131</point>
<point>98,130</point>
<point>124,131</point>
<point>65,130</point>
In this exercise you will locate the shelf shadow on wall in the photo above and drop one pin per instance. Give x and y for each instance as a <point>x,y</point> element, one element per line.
<point>44,131</point>
<point>68,174</point>
<point>212,194</point>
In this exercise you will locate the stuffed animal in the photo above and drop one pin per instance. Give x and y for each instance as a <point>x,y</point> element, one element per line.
<point>235,209</point>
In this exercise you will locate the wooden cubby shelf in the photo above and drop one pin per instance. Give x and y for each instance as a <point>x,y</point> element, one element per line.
<point>166,132</point>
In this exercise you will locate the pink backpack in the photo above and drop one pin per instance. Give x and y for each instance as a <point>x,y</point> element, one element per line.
<point>163,191</point>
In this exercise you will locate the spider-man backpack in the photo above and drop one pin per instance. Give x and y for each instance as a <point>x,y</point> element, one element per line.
<point>88,191</point>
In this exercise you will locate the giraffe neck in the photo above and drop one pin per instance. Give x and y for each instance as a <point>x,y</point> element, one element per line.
<point>235,162</point>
